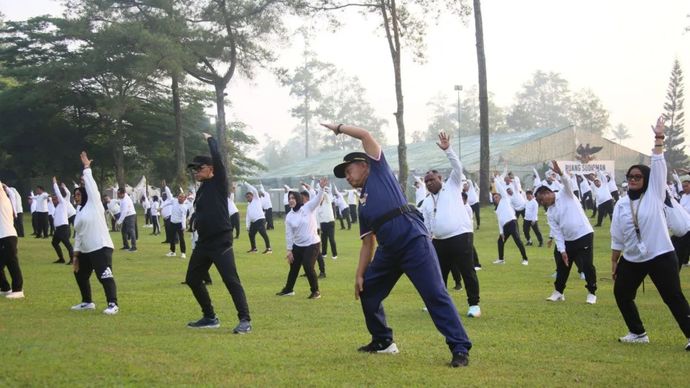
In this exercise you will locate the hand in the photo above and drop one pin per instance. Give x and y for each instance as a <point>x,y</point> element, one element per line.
<point>54,181</point>
<point>290,258</point>
<point>564,257</point>
<point>503,238</point>
<point>85,159</point>
<point>443,141</point>
<point>332,127</point>
<point>556,168</point>
<point>323,182</point>
<point>206,136</point>
<point>359,286</point>
<point>614,267</point>
<point>549,243</point>
<point>75,263</point>
<point>660,126</point>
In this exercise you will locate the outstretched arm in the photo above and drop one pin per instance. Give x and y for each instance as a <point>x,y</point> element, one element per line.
<point>370,145</point>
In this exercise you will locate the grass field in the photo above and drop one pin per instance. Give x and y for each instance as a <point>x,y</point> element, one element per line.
<point>520,340</point>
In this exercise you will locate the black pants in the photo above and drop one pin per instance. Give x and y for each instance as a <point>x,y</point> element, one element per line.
<point>269,218</point>
<point>19,224</point>
<point>178,231</point>
<point>166,229</point>
<point>304,257</point>
<point>100,261</point>
<point>663,270</point>
<point>581,253</point>
<point>527,225</point>
<point>475,257</point>
<point>260,227</point>
<point>510,230</point>
<point>113,222</point>
<point>147,216</point>
<point>223,258</point>
<point>353,213</point>
<point>42,224</point>
<point>328,236</point>
<point>615,196</point>
<point>51,225</point>
<point>586,201</point>
<point>345,216</point>
<point>456,253</point>
<point>61,235</point>
<point>235,222</point>
<point>129,234</point>
<point>603,210</point>
<point>34,224</point>
<point>156,225</point>
<point>9,259</point>
<point>682,247</point>
<point>475,210</point>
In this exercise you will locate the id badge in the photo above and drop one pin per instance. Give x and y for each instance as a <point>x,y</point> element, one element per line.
<point>642,248</point>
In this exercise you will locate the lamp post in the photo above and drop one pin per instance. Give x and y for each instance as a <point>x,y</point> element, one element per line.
<point>458,88</point>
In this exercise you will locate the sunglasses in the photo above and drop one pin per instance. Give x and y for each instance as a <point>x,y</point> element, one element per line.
<point>636,177</point>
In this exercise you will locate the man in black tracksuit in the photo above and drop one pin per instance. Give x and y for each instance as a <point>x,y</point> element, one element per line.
<point>214,245</point>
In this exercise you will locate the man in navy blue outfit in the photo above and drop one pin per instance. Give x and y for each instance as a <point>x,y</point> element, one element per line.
<point>404,247</point>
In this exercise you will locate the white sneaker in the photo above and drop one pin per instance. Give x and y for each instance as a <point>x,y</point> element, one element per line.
<point>183,256</point>
<point>425,309</point>
<point>83,306</point>
<point>112,309</point>
<point>499,261</point>
<point>15,295</point>
<point>171,254</point>
<point>591,299</point>
<point>477,268</point>
<point>632,338</point>
<point>525,262</point>
<point>3,293</point>
<point>554,275</point>
<point>687,347</point>
<point>335,257</point>
<point>582,276</point>
<point>556,296</point>
<point>474,312</point>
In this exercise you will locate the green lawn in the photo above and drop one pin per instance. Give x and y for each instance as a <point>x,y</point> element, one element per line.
<point>520,339</point>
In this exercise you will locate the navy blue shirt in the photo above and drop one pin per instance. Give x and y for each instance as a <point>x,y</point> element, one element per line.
<point>381,193</point>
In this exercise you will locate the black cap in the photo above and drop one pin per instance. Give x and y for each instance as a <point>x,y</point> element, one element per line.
<point>339,170</point>
<point>200,160</point>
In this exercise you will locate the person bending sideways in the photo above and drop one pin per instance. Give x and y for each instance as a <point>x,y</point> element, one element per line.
<point>404,247</point>
<point>214,244</point>
<point>641,246</point>
<point>93,247</point>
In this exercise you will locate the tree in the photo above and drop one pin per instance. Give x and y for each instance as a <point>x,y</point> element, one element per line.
<point>305,83</point>
<point>544,102</point>
<point>484,153</point>
<point>404,23</point>
<point>620,133</point>
<point>588,113</point>
<point>674,115</point>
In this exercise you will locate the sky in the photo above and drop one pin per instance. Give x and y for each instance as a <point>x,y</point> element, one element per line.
<point>622,50</point>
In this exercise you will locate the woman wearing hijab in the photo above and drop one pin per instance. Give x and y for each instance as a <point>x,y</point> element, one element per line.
<point>302,240</point>
<point>93,247</point>
<point>641,246</point>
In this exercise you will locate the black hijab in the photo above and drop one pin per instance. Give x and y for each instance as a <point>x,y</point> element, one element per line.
<point>84,196</point>
<point>298,200</point>
<point>645,170</point>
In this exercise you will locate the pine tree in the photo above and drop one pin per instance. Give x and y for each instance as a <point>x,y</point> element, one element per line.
<point>675,120</point>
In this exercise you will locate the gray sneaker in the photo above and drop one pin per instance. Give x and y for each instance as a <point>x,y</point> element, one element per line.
<point>243,327</point>
<point>205,323</point>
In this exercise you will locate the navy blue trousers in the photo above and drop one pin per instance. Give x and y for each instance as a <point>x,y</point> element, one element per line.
<point>418,260</point>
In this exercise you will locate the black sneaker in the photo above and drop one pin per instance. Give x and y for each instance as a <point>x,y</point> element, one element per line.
<point>132,249</point>
<point>268,250</point>
<point>382,347</point>
<point>205,323</point>
<point>243,327</point>
<point>315,295</point>
<point>59,261</point>
<point>458,286</point>
<point>322,275</point>
<point>124,248</point>
<point>285,293</point>
<point>459,359</point>
<point>529,243</point>
<point>252,250</point>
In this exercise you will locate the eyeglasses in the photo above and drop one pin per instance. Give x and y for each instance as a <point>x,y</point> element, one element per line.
<point>636,177</point>
<point>199,168</point>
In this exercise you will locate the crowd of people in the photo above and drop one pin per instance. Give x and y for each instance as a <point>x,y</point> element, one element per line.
<point>427,240</point>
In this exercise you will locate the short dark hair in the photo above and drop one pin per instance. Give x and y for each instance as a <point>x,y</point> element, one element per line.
<point>121,190</point>
<point>528,192</point>
<point>542,189</point>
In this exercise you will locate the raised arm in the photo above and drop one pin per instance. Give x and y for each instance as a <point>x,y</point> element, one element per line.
<point>218,166</point>
<point>566,182</point>
<point>251,189</point>
<point>370,145</point>
<point>444,144</point>
<point>315,200</point>
<point>657,176</point>
<point>537,180</point>
<point>56,189</point>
